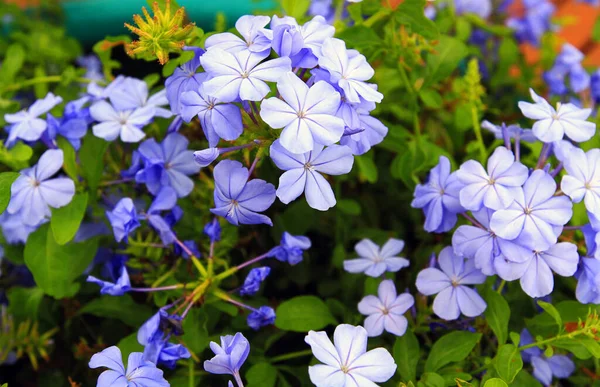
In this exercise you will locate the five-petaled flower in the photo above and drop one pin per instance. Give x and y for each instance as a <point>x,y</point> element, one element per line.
<point>139,372</point>
<point>374,261</point>
<point>386,310</point>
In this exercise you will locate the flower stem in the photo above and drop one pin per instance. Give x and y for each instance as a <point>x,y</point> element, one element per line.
<point>194,259</point>
<point>39,80</point>
<point>191,376</point>
<point>291,355</point>
<point>238,379</point>
<point>159,289</point>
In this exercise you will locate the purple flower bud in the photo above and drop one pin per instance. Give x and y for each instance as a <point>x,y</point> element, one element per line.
<point>213,230</point>
<point>206,156</point>
<point>261,317</point>
<point>253,280</point>
<point>287,40</point>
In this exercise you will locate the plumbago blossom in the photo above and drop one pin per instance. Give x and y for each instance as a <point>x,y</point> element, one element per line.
<point>517,215</point>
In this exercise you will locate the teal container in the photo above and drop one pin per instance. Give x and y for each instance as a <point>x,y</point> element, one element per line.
<point>91,20</point>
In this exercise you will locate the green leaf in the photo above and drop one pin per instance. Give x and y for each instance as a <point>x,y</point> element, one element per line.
<point>515,338</point>
<point>524,379</point>
<point>129,344</point>
<point>497,315</point>
<point>578,346</point>
<point>20,152</point>
<point>70,162</point>
<point>6,180</point>
<point>24,303</point>
<point>440,65</point>
<point>349,206</point>
<point>495,382</point>
<point>367,168</point>
<point>196,337</point>
<point>261,375</point>
<point>302,314</point>
<point>431,98</point>
<point>508,362</point>
<point>412,14</point>
<point>91,156</point>
<point>596,30</point>
<point>295,8</point>
<point>121,308</point>
<point>453,347</point>
<point>12,62</point>
<point>55,267</point>
<point>553,312</point>
<point>431,379</point>
<point>65,221</point>
<point>360,37</point>
<point>406,355</point>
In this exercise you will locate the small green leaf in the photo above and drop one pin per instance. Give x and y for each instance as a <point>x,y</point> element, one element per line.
<point>66,220</point>
<point>20,152</point>
<point>442,63</point>
<point>431,98</point>
<point>349,206</point>
<point>55,267</point>
<point>508,362</point>
<point>553,312</point>
<point>196,334</point>
<point>412,14</point>
<point>453,347</point>
<point>70,162</point>
<point>24,303</point>
<point>91,156</point>
<point>495,382</point>
<point>497,315</point>
<point>261,375</point>
<point>302,314</point>
<point>6,180</point>
<point>515,338</point>
<point>406,355</point>
<point>129,344</point>
<point>295,8</point>
<point>121,308</point>
<point>12,62</point>
<point>431,379</point>
<point>367,168</point>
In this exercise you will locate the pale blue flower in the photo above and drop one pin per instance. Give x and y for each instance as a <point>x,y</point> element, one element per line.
<point>583,179</point>
<point>133,94</point>
<point>126,124</point>
<point>123,219</point>
<point>120,286</point>
<point>291,248</point>
<point>386,310</point>
<point>482,8</point>
<point>346,361</point>
<point>229,356</point>
<point>255,37</point>
<point>33,193</point>
<point>184,79</point>
<point>261,317</point>
<point>374,260</point>
<point>239,75</point>
<point>140,372</point>
<point>303,173</point>
<point>26,124</point>
<point>495,188</point>
<point>253,280</point>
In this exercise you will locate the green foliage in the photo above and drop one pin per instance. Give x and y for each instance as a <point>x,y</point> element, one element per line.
<point>295,8</point>
<point>302,314</point>
<point>497,315</point>
<point>261,375</point>
<point>406,355</point>
<point>122,308</point>
<point>508,362</point>
<point>66,220</point>
<point>6,180</point>
<point>495,382</point>
<point>410,13</point>
<point>55,267</point>
<point>452,347</point>
<point>91,157</point>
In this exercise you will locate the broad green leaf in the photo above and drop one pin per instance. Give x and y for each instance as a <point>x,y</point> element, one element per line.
<point>130,344</point>
<point>66,220</point>
<point>406,355</point>
<point>121,308</point>
<point>349,206</point>
<point>196,337</point>
<point>453,347</point>
<point>431,98</point>
<point>261,375</point>
<point>578,346</point>
<point>70,162</point>
<point>508,362</point>
<point>495,382</point>
<point>524,379</point>
<point>553,312</point>
<point>55,267</point>
<point>431,379</point>
<point>6,180</point>
<point>24,303</point>
<point>448,54</point>
<point>295,8</point>
<point>302,314</point>
<point>20,152</point>
<point>412,14</point>
<point>91,157</point>
<point>367,168</point>
<point>360,37</point>
<point>497,315</point>
<point>12,62</point>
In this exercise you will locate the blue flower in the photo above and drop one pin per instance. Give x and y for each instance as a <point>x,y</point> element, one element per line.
<point>184,79</point>
<point>552,124</point>
<point>366,132</point>
<point>167,164</point>
<point>229,356</point>
<point>439,198</point>
<point>595,86</point>
<point>535,272</point>
<point>567,63</point>
<point>307,116</point>
<point>34,192</point>
<point>536,216</point>
<point>154,335</point>
<point>26,124</point>
<point>535,21</point>
<point>190,245</point>
<point>482,8</point>
<point>165,200</point>
<point>256,38</point>
<point>583,179</point>
<point>374,261</point>
<point>123,219</point>
<point>72,126</point>
<point>349,70</point>
<point>453,297</point>
<point>347,361</point>
<point>386,310</point>
<point>92,65</point>
<point>126,124</point>
<point>545,368</point>
<point>239,75</point>
<point>139,372</point>
<point>132,94</point>
<point>205,157</point>
<point>14,229</point>
<point>588,281</point>
<point>303,173</point>
<point>261,317</point>
<point>253,280</point>
<point>212,229</point>
<point>239,200</point>
<point>291,248</point>
<point>218,120</point>
<point>121,286</point>
<point>514,131</point>
<point>495,188</point>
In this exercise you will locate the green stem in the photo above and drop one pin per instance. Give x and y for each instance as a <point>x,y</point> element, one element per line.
<point>477,128</point>
<point>38,80</point>
<point>339,9</point>
<point>291,355</point>
<point>377,16</point>
<point>555,338</point>
<point>501,287</point>
<point>191,376</point>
